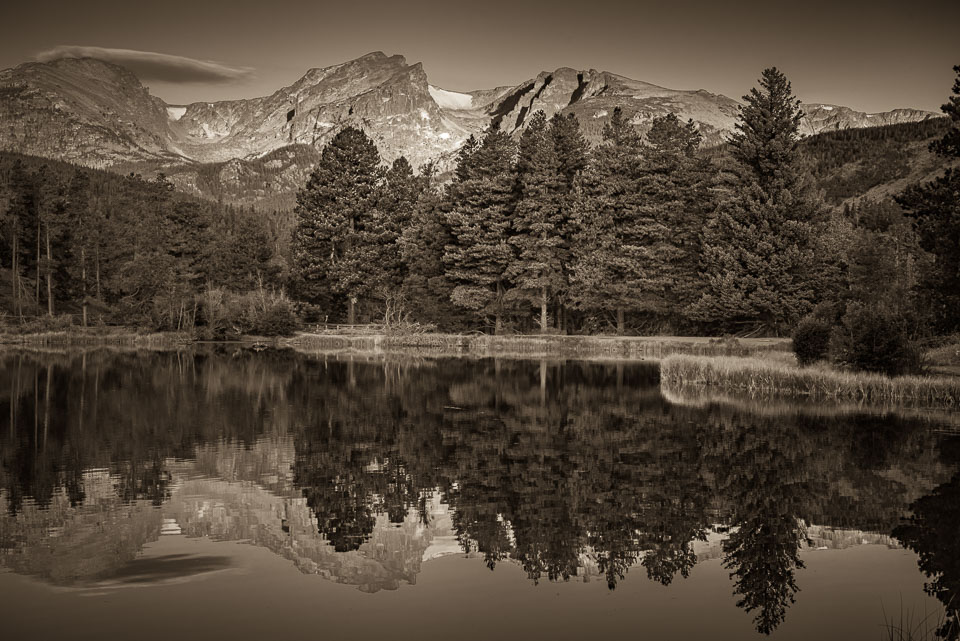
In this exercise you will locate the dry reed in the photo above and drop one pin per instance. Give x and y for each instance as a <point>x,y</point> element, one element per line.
<point>760,377</point>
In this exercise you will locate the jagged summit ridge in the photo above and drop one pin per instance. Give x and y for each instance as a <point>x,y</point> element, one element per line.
<point>98,113</point>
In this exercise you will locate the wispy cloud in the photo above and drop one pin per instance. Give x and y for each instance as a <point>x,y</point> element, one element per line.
<point>150,65</point>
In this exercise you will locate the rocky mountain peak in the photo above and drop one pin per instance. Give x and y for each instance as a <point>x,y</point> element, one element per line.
<point>98,113</point>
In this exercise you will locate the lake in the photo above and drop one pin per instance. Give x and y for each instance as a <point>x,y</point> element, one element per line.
<point>220,492</point>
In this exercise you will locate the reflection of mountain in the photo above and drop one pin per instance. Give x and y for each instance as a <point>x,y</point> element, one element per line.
<point>67,545</point>
<point>361,472</point>
<point>267,511</point>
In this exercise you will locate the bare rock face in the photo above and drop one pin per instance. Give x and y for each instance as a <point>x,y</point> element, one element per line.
<point>97,113</point>
<point>82,110</point>
<point>593,95</point>
<point>384,96</point>
<point>820,118</point>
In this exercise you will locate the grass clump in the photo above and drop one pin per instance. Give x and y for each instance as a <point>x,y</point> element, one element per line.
<point>763,377</point>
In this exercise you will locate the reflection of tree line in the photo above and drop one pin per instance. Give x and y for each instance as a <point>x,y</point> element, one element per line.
<point>124,412</point>
<point>550,466</point>
<point>933,532</point>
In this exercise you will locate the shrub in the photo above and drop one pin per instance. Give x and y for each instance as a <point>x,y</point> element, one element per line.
<point>273,317</point>
<point>228,315</point>
<point>875,339</point>
<point>811,339</point>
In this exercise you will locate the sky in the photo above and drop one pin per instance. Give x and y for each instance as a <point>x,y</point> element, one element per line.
<point>872,56</point>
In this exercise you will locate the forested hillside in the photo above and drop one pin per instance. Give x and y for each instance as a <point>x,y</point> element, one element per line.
<point>874,162</point>
<point>90,246</point>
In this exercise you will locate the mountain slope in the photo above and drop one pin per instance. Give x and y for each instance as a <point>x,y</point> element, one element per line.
<point>85,111</point>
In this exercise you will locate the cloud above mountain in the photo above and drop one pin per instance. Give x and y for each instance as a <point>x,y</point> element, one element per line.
<point>151,65</point>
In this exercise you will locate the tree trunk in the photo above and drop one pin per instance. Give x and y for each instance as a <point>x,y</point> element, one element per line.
<point>36,302</point>
<point>543,383</point>
<point>83,389</point>
<point>543,309</point>
<point>36,408</point>
<point>99,297</point>
<point>13,404</point>
<point>49,276</point>
<point>620,323</point>
<point>498,325</point>
<point>15,277</point>
<point>98,273</point>
<point>351,311</point>
<point>83,281</point>
<point>46,405</point>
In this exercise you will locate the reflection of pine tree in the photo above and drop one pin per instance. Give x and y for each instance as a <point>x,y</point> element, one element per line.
<point>763,553</point>
<point>933,532</point>
<point>767,494</point>
<point>343,511</point>
<point>548,538</point>
<point>673,526</point>
<point>479,526</point>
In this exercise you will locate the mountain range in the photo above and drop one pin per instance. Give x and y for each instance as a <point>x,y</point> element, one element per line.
<point>99,114</point>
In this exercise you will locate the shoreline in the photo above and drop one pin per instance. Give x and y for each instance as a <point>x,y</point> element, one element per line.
<point>625,348</point>
<point>639,348</point>
<point>693,370</point>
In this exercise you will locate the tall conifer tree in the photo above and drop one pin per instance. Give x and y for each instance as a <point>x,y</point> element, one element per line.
<point>537,222</point>
<point>331,212</point>
<point>482,201</point>
<point>422,246</point>
<point>674,201</point>
<point>935,206</point>
<point>572,153</point>
<point>608,254</point>
<point>759,248</point>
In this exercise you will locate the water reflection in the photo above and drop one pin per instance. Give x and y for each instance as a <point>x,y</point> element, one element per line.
<point>362,470</point>
<point>933,532</point>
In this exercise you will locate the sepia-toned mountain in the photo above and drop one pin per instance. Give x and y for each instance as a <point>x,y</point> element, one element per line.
<point>99,114</point>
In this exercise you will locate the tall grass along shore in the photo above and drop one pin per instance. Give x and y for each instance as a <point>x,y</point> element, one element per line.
<point>759,377</point>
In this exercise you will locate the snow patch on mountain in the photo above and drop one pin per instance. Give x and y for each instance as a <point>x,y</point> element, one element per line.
<point>210,133</point>
<point>450,99</point>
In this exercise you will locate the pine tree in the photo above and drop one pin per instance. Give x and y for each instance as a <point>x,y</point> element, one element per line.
<point>570,147</point>
<point>935,206</point>
<point>481,205</point>
<point>608,254</point>
<point>21,208</point>
<point>674,186</point>
<point>537,223</point>
<point>949,145</point>
<point>572,153</point>
<point>422,242</point>
<point>50,212</point>
<point>382,266</point>
<point>331,211</point>
<point>78,216</point>
<point>759,248</point>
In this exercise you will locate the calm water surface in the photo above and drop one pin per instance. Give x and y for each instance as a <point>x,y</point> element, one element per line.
<point>232,494</point>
